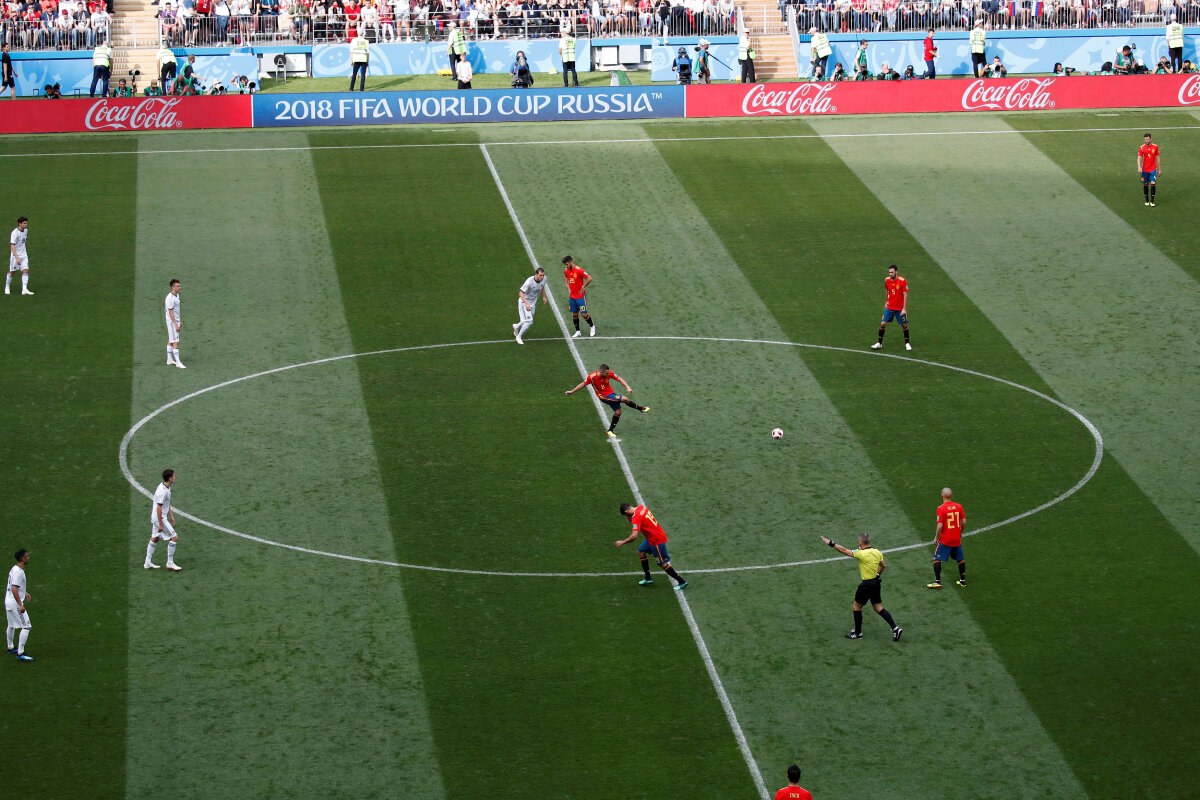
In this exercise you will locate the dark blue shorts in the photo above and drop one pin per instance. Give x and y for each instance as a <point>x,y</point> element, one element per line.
<point>1150,177</point>
<point>578,306</point>
<point>659,551</point>
<point>612,400</point>
<point>890,314</point>
<point>945,552</point>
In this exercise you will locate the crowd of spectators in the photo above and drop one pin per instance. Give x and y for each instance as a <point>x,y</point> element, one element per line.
<point>223,22</point>
<point>909,15</point>
<point>54,24</point>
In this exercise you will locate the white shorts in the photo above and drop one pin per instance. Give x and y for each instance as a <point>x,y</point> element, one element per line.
<point>172,333</point>
<point>17,619</point>
<point>525,313</point>
<point>166,533</point>
<point>14,267</point>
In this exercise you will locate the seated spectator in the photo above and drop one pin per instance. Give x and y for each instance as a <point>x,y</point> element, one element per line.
<point>353,13</point>
<point>387,22</point>
<point>522,76</point>
<point>168,21</point>
<point>370,21</point>
<point>995,69</point>
<point>84,35</point>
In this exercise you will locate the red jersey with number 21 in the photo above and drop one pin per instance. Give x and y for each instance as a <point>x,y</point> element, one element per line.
<point>895,292</point>
<point>1149,156</point>
<point>951,517</point>
<point>793,793</point>
<point>600,385</point>
<point>645,522</point>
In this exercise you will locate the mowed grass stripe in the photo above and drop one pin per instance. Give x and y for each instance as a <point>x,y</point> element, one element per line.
<point>799,618</point>
<point>1041,287</point>
<point>65,382</point>
<point>294,673</point>
<point>537,687</point>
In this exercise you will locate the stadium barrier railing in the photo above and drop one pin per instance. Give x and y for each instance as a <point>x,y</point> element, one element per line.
<point>40,35</point>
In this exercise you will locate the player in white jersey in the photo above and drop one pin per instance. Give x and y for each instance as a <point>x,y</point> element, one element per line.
<point>18,259</point>
<point>162,523</point>
<point>530,290</point>
<point>15,598</point>
<point>174,324</point>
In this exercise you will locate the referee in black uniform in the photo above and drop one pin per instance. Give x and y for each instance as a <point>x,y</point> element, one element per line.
<point>870,566</point>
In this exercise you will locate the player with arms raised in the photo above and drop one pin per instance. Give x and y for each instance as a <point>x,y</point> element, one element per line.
<point>577,282</point>
<point>948,539</point>
<point>895,305</point>
<point>1149,164</point>
<point>655,543</point>
<point>599,381</point>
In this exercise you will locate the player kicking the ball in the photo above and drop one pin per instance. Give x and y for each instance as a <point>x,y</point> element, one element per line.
<point>895,305</point>
<point>599,381</point>
<point>655,543</point>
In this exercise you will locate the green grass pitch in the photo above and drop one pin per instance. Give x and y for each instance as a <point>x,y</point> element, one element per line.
<point>349,622</point>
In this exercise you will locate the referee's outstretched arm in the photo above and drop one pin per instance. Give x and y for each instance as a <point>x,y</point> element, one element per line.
<point>844,551</point>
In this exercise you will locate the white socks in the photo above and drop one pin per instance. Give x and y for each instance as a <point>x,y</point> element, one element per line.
<point>8,632</point>
<point>21,640</point>
<point>24,281</point>
<point>175,354</point>
<point>524,327</point>
<point>8,280</point>
<point>171,553</point>
<point>150,550</point>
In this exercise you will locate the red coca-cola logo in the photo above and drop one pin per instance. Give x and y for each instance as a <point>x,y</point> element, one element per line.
<point>806,98</point>
<point>1189,91</point>
<point>153,113</point>
<point>1024,94</point>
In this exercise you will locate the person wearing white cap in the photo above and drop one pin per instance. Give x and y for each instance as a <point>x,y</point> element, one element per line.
<point>456,47</point>
<point>820,51</point>
<point>702,67</point>
<point>978,47</point>
<point>1175,43</point>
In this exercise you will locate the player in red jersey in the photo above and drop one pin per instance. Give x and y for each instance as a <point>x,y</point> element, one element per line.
<point>655,543</point>
<point>895,305</point>
<point>577,282</point>
<point>599,381</point>
<point>793,791</point>
<point>948,539</point>
<point>1149,164</point>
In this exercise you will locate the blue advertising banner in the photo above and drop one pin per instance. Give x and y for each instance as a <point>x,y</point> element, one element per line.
<point>484,105</point>
<point>1020,51</point>
<point>72,71</point>
<point>662,57</point>
<point>426,58</point>
<point>225,69</point>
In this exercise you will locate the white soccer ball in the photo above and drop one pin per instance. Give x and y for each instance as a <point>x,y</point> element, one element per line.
<point>777,433</point>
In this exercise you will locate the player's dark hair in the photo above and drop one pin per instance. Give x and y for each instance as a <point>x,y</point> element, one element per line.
<point>1146,136</point>
<point>625,507</point>
<point>864,538</point>
<point>539,269</point>
<point>22,219</point>
<point>168,474</point>
<point>605,367</point>
<point>893,266</point>
<point>20,554</point>
<point>567,259</point>
<point>174,281</point>
<point>794,774</point>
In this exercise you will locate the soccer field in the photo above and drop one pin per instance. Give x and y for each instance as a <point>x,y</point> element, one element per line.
<point>396,532</point>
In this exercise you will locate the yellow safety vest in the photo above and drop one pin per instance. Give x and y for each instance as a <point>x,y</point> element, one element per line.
<point>360,51</point>
<point>743,49</point>
<point>102,57</point>
<point>1174,35</point>
<point>458,41</point>
<point>978,40</point>
<point>166,56</point>
<point>567,46</point>
<point>820,45</point>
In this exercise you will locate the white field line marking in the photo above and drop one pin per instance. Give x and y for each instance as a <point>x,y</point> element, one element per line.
<point>718,685</point>
<point>416,145</point>
<point>123,456</point>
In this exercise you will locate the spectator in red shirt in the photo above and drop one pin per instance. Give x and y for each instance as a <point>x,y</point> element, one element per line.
<point>930,55</point>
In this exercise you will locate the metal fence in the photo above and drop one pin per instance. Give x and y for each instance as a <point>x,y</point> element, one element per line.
<point>47,34</point>
<point>393,27</point>
<point>845,16</point>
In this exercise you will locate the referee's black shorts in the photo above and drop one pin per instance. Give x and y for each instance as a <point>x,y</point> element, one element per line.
<point>868,592</point>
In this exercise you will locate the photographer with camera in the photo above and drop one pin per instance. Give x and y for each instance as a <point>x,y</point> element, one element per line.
<point>1125,63</point>
<point>996,69</point>
<point>682,67</point>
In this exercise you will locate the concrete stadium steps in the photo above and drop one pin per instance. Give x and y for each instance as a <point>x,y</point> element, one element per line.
<point>761,17</point>
<point>142,58</point>
<point>775,58</point>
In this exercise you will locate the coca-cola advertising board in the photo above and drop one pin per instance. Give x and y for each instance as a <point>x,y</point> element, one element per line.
<point>895,97</point>
<point>126,114</point>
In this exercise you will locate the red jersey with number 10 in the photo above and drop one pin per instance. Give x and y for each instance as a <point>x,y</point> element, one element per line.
<point>1149,155</point>
<point>575,277</point>
<point>645,522</point>
<point>951,517</point>
<point>895,292</point>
